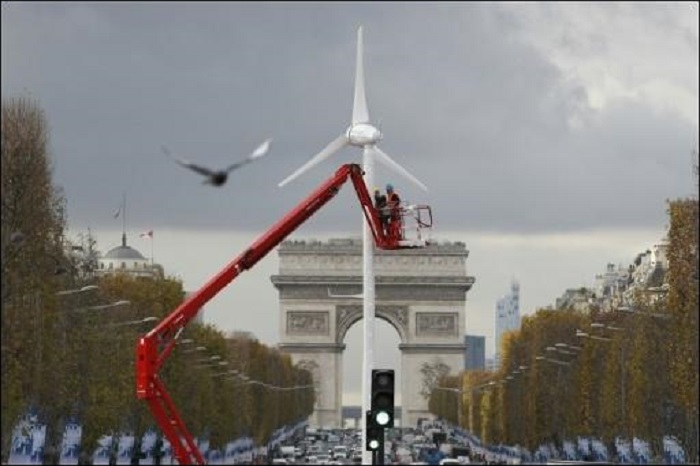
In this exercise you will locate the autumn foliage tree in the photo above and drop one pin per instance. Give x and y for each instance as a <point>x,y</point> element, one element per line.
<point>32,261</point>
<point>634,375</point>
<point>682,303</point>
<point>65,357</point>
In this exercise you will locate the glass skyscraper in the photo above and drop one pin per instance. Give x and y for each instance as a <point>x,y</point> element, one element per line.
<point>475,355</point>
<point>507,317</point>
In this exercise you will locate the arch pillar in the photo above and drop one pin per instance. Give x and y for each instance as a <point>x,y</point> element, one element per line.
<point>324,361</point>
<point>413,356</point>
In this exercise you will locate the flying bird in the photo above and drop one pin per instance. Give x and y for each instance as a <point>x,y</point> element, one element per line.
<point>219,177</point>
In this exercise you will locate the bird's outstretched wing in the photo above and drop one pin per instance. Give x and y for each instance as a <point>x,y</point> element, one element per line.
<point>260,151</point>
<point>187,164</point>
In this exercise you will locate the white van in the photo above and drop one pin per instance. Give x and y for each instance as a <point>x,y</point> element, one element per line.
<point>288,453</point>
<point>340,451</point>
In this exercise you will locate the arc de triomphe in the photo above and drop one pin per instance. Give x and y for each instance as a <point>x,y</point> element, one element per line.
<point>420,292</point>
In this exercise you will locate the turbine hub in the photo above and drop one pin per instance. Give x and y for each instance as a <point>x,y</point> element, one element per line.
<point>362,134</point>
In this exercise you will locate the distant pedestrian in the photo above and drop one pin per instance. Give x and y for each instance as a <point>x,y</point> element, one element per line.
<point>381,206</point>
<point>394,205</point>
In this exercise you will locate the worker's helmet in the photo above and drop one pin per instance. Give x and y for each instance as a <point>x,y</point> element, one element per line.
<point>389,188</point>
<point>376,190</point>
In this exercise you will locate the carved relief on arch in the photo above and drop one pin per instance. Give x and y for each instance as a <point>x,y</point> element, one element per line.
<point>307,323</point>
<point>347,315</point>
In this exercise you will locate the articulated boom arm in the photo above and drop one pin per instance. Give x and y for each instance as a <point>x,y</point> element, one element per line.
<point>154,348</point>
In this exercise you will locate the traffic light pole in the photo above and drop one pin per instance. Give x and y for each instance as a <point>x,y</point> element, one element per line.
<point>378,454</point>
<point>380,450</point>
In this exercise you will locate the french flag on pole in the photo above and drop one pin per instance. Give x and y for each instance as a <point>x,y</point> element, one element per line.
<point>147,234</point>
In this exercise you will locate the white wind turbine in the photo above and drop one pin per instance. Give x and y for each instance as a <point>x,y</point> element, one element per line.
<point>361,133</point>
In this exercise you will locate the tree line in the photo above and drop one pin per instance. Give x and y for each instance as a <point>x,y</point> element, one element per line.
<point>67,356</point>
<point>630,374</point>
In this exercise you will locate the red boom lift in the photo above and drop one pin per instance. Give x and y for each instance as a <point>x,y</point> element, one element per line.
<point>154,348</point>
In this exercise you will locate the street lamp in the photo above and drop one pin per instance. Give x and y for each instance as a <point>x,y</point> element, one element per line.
<point>582,334</point>
<point>458,392</point>
<point>567,346</point>
<point>563,388</point>
<point>579,333</point>
<point>216,357</point>
<point>302,387</point>
<point>555,361</point>
<point>634,311</point>
<point>208,360</point>
<point>195,350</point>
<point>212,364</point>
<point>101,307</point>
<point>462,392</point>
<point>609,327</point>
<point>79,290</point>
<point>145,320</point>
<point>559,350</point>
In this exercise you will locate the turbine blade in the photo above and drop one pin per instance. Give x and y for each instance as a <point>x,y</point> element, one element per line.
<point>389,162</point>
<point>335,145</point>
<point>360,114</point>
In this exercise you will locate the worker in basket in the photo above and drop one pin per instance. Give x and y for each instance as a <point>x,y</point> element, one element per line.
<point>393,202</point>
<point>382,209</point>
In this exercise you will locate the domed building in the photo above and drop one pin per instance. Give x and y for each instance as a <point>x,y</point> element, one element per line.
<point>125,259</point>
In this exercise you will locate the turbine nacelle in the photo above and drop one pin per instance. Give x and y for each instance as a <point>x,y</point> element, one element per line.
<point>363,134</point>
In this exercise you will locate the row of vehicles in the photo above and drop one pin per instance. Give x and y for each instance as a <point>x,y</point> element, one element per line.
<point>323,446</point>
<point>402,446</point>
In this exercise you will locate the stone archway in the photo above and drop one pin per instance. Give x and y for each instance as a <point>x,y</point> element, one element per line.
<point>420,292</point>
<point>349,314</point>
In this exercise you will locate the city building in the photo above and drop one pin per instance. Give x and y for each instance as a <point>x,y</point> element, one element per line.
<point>609,286</point>
<point>507,316</point>
<point>579,299</point>
<point>647,271</point>
<point>618,285</point>
<point>475,354</point>
<point>125,259</point>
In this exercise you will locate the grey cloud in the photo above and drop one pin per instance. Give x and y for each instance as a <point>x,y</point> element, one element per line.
<point>466,104</point>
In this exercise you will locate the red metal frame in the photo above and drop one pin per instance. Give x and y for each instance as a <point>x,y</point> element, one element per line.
<point>156,346</point>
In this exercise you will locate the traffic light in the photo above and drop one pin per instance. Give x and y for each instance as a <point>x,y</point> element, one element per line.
<point>382,398</point>
<point>374,434</point>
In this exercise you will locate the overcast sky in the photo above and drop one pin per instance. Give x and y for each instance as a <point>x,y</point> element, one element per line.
<point>550,135</point>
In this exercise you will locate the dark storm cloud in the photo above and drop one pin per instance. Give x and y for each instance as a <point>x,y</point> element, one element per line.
<point>480,115</point>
